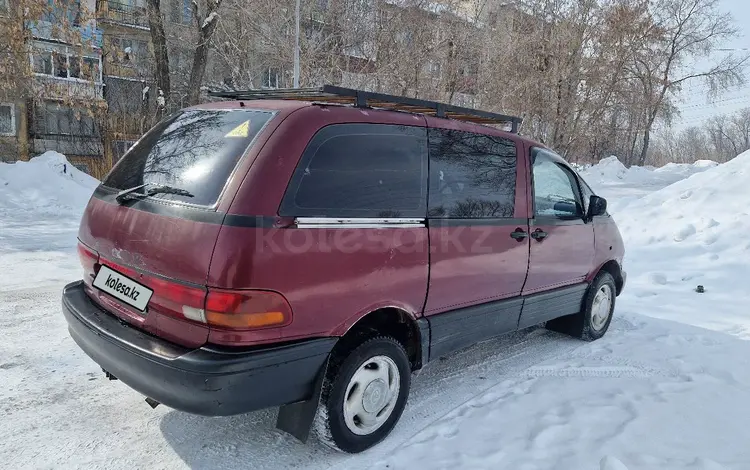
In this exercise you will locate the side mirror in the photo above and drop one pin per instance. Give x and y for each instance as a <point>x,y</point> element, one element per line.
<point>597,206</point>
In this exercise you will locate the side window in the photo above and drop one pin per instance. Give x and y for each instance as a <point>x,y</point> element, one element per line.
<point>361,170</point>
<point>471,175</point>
<point>555,189</point>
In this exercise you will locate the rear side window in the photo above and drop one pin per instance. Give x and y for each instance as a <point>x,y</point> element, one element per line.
<point>472,176</point>
<point>194,150</point>
<point>361,170</point>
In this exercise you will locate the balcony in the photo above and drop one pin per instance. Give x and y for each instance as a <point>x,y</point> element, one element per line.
<point>87,34</point>
<point>123,14</point>
<point>67,89</point>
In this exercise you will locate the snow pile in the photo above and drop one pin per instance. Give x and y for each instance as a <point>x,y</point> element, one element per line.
<point>622,185</point>
<point>41,203</point>
<point>47,184</point>
<point>690,233</point>
<point>706,208</point>
<point>609,168</point>
<point>610,171</point>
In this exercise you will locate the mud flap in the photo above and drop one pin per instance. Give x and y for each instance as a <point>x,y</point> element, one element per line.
<point>297,418</point>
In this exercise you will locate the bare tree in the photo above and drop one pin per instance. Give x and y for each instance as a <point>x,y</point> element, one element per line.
<point>206,28</point>
<point>159,40</point>
<point>687,29</point>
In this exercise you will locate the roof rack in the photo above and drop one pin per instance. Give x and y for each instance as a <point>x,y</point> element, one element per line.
<point>366,99</point>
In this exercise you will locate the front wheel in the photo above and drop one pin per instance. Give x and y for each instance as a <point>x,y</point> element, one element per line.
<point>596,314</point>
<point>364,395</point>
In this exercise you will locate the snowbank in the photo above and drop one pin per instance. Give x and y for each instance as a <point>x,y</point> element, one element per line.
<point>48,183</point>
<point>41,203</point>
<point>611,171</point>
<point>690,233</point>
<point>707,208</point>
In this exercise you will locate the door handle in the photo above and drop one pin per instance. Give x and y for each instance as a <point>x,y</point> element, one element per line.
<point>539,234</point>
<point>518,235</point>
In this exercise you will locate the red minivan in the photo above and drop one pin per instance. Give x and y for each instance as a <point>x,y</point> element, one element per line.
<point>307,253</point>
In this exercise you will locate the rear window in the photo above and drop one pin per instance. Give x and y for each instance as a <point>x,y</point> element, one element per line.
<point>361,170</point>
<point>194,150</point>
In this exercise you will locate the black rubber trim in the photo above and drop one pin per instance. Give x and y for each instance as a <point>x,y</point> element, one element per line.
<point>181,211</point>
<point>545,306</point>
<point>250,221</point>
<point>161,207</point>
<point>463,327</point>
<point>498,222</point>
<point>466,326</point>
<point>211,381</point>
<point>424,339</point>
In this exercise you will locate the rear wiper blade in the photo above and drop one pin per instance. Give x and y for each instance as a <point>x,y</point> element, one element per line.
<point>123,195</point>
<point>160,189</point>
<point>168,190</point>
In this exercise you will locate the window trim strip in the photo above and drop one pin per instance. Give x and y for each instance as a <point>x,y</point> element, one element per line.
<point>358,222</point>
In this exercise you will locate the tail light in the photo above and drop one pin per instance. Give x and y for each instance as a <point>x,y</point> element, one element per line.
<point>223,309</point>
<point>90,262</point>
<point>246,310</point>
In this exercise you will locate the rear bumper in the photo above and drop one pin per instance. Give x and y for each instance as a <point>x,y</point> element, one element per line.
<point>208,380</point>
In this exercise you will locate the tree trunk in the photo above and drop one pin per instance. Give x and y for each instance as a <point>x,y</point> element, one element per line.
<point>200,59</point>
<point>159,39</point>
<point>644,150</point>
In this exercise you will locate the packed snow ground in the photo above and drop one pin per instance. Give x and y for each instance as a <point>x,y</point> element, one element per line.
<point>668,387</point>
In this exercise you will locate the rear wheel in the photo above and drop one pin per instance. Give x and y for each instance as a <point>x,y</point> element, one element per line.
<point>595,316</point>
<point>364,395</point>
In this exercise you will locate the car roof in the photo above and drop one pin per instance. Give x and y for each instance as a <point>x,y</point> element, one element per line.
<point>289,106</point>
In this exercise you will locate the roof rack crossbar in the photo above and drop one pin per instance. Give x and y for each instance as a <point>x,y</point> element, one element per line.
<point>363,99</point>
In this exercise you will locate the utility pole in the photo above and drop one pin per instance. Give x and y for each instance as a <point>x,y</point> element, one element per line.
<point>296,46</point>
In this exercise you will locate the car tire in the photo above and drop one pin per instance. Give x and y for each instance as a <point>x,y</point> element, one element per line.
<point>596,313</point>
<point>363,396</point>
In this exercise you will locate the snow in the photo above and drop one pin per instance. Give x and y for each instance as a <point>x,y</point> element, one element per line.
<point>209,19</point>
<point>41,203</point>
<point>144,93</point>
<point>666,388</point>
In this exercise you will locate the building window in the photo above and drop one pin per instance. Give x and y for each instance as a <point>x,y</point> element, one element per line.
<point>121,147</point>
<point>74,68</point>
<point>90,69</point>
<point>43,62</point>
<point>435,68</point>
<point>63,65</point>
<point>271,78</point>
<point>180,12</point>
<point>7,118</point>
<point>54,119</point>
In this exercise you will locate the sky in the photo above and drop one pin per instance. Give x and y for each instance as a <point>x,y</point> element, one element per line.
<point>696,107</point>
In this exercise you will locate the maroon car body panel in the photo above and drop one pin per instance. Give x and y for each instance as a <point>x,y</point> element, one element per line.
<point>328,286</point>
<point>608,245</point>
<point>477,261</point>
<point>150,244</point>
<point>563,258</point>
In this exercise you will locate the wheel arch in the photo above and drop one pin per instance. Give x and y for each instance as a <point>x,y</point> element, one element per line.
<point>411,332</point>
<point>614,269</point>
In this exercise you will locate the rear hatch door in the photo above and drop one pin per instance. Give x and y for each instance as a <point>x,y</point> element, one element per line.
<point>153,221</point>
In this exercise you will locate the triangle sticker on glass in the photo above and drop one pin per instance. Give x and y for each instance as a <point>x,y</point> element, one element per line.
<point>240,131</point>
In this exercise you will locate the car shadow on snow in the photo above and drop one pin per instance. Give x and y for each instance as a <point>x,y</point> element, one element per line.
<point>252,441</point>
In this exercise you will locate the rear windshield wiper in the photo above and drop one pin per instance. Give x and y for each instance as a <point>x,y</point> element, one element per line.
<point>131,193</point>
